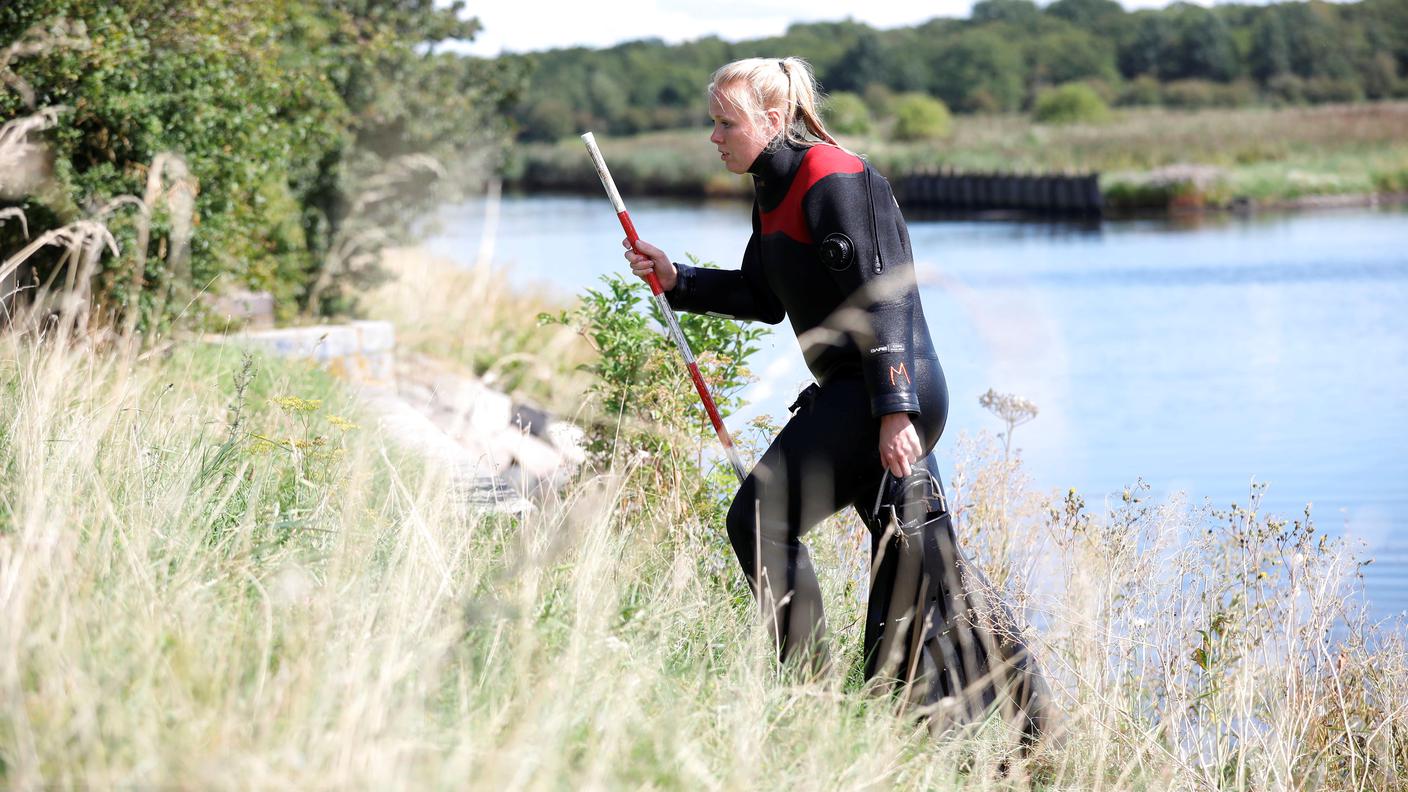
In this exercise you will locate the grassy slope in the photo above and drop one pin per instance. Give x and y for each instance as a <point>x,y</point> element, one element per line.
<point>1265,154</point>
<point>287,603</point>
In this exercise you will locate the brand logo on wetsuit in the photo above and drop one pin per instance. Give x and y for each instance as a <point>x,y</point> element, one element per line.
<point>901,370</point>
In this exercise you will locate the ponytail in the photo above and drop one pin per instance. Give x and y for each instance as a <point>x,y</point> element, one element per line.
<point>786,84</point>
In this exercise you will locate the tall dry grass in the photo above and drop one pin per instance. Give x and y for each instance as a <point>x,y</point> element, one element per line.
<point>211,577</point>
<point>471,317</point>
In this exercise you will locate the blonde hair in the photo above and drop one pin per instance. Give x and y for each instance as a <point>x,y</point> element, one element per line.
<point>787,84</point>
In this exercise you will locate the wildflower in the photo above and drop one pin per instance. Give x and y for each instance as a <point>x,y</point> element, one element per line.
<point>295,404</point>
<point>342,423</point>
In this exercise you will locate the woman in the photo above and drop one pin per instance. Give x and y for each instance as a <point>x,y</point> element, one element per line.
<point>830,252</point>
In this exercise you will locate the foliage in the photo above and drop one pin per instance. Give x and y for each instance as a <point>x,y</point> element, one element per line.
<point>1072,103</point>
<point>185,607</point>
<point>846,113</point>
<point>1265,154</point>
<point>921,117</point>
<point>646,403</point>
<point>998,59</point>
<point>300,121</point>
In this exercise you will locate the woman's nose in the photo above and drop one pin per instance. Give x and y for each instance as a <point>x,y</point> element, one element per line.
<point>716,138</point>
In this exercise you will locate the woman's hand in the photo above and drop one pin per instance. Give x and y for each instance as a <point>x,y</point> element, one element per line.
<point>899,444</point>
<point>650,257</point>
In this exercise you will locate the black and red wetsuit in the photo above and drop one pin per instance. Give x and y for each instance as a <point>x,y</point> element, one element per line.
<point>831,253</point>
<point>827,233</point>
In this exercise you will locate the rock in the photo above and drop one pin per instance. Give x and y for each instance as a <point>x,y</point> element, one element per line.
<point>253,310</point>
<point>362,351</point>
<point>570,441</point>
<point>536,458</point>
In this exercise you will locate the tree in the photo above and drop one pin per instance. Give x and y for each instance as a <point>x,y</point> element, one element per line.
<point>1270,55</point>
<point>297,119</point>
<point>1071,55</point>
<point>978,70</point>
<point>864,63</point>
<point>1202,47</point>
<point>1104,18</point>
<point>1149,45</point>
<point>1022,14</point>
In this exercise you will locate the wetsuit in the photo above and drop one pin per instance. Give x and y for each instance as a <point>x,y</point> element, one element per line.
<point>830,252</point>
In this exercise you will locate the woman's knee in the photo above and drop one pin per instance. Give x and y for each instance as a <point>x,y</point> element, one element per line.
<point>742,521</point>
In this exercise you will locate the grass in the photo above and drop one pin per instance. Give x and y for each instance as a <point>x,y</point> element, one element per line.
<point>1264,154</point>
<point>214,573</point>
<point>470,318</point>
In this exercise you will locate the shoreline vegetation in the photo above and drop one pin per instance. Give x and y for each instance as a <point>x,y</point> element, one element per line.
<point>219,573</point>
<point>219,570</point>
<point>1148,158</point>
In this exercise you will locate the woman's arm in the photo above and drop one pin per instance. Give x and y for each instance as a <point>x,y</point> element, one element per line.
<point>856,225</point>
<point>736,294</point>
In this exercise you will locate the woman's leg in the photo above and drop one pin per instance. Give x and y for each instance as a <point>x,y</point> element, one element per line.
<point>815,467</point>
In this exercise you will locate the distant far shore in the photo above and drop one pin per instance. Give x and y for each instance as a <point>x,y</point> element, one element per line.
<point>1148,159</point>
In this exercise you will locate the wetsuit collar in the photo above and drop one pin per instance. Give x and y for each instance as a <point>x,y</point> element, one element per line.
<point>773,169</point>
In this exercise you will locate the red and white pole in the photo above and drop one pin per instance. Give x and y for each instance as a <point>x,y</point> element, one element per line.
<point>665,310</point>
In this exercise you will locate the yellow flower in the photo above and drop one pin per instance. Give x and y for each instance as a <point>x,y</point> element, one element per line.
<point>342,423</point>
<point>295,404</point>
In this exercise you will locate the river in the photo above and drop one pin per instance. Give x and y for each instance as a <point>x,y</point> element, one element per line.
<point>1199,355</point>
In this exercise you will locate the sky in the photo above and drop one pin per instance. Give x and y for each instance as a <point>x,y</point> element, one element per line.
<point>527,26</point>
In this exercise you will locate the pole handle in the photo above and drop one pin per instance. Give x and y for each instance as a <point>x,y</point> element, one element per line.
<point>620,206</point>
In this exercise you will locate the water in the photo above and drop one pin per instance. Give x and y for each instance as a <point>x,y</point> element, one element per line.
<point>1198,357</point>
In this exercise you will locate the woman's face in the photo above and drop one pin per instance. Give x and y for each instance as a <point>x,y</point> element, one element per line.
<point>738,137</point>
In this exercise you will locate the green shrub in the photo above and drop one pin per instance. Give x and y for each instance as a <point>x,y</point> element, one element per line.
<point>846,114</point>
<point>1072,103</point>
<point>1198,94</point>
<point>1330,89</point>
<point>1392,180</point>
<point>921,117</point>
<point>880,99</point>
<point>1142,91</point>
<point>646,402</point>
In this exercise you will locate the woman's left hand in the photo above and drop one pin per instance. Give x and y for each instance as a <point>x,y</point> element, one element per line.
<point>899,444</point>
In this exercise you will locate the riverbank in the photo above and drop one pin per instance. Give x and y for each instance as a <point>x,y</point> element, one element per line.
<point>224,574</point>
<point>1147,158</point>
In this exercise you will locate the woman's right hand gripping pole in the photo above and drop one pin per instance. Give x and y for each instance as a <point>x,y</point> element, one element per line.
<point>644,257</point>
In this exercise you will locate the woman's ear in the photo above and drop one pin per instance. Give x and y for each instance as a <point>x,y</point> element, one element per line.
<point>776,123</point>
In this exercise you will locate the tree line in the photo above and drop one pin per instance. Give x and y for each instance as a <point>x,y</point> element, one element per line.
<point>1000,59</point>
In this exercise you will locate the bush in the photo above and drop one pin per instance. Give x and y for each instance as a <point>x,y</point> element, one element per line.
<point>880,99</point>
<point>1286,89</point>
<point>1330,89</point>
<point>1072,103</point>
<point>646,402</point>
<point>1142,91</point>
<point>921,117</point>
<point>846,114</point>
<point>1198,94</point>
